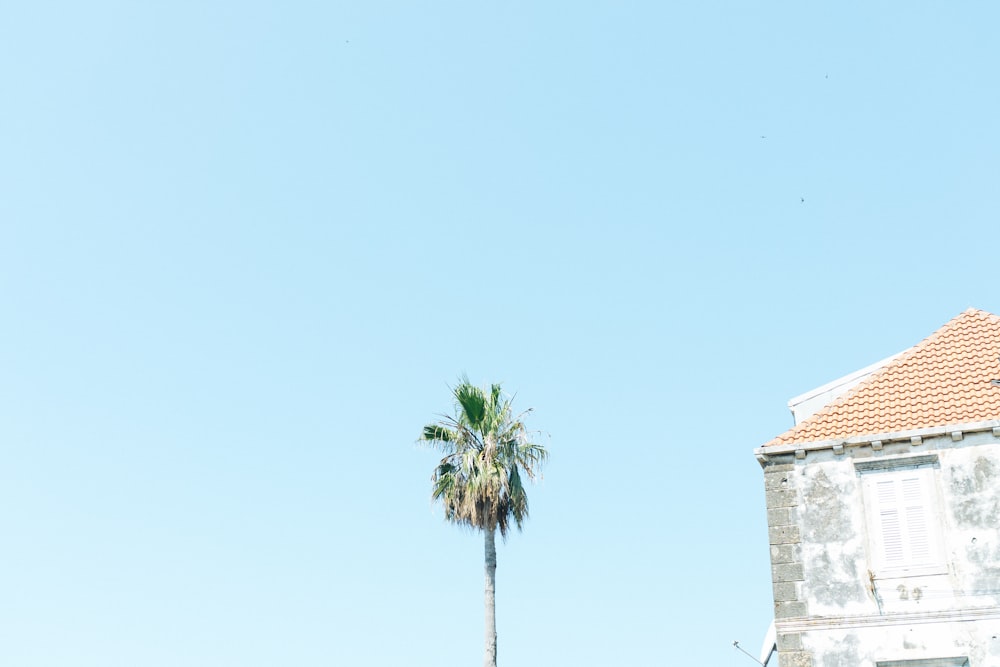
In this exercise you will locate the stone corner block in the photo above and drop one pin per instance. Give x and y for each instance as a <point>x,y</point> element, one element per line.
<point>795,659</point>
<point>786,553</point>
<point>781,498</point>
<point>791,609</point>
<point>791,641</point>
<point>787,572</point>
<point>785,591</point>
<point>784,534</point>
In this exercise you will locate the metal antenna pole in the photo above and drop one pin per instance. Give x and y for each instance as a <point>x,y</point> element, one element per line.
<point>737,646</point>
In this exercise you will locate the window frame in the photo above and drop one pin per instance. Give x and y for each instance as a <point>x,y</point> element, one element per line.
<point>901,497</point>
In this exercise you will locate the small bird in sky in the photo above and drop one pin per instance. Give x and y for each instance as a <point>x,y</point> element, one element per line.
<point>802,200</point>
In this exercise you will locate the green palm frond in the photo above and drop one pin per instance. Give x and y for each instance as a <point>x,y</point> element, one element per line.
<point>472,403</point>
<point>438,433</point>
<point>488,454</point>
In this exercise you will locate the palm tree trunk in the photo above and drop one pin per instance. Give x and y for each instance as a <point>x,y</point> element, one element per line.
<point>491,608</point>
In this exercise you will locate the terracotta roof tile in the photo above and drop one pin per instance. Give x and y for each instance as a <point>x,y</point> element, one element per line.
<point>943,380</point>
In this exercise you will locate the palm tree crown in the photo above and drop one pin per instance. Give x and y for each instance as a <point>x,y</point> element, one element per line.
<point>487,453</point>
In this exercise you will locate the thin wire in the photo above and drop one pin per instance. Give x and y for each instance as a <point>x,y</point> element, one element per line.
<point>736,645</point>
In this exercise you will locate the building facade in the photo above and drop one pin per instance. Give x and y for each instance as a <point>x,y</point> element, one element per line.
<point>883,510</point>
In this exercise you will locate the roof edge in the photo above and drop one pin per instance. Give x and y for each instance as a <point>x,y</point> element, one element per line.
<point>833,384</point>
<point>765,452</point>
<point>876,373</point>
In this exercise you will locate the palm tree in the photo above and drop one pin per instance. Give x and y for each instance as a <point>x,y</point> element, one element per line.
<point>487,454</point>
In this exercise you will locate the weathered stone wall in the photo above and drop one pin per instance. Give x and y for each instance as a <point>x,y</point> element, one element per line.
<point>833,610</point>
<point>787,570</point>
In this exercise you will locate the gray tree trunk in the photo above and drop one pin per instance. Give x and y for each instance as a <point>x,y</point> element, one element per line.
<point>491,606</point>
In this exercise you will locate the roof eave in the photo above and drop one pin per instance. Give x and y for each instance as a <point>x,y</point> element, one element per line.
<point>763,454</point>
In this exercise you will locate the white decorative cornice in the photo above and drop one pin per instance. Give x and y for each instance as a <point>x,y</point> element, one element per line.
<point>888,619</point>
<point>915,437</point>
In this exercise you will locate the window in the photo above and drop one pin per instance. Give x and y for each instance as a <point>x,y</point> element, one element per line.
<point>903,523</point>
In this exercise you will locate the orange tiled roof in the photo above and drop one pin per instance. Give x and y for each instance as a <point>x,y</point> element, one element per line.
<point>943,380</point>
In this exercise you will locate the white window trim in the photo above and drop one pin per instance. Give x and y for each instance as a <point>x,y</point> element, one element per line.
<point>902,507</point>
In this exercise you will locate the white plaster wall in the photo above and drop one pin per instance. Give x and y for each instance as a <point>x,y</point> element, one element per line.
<point>867,646</point>
<point>952,611</point>
<point>833,538</point>
<point>835,541</point>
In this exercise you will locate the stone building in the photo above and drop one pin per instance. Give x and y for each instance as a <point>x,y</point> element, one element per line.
<point>883,509</point>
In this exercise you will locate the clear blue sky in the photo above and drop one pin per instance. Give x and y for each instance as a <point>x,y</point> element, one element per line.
<point>246,247</point>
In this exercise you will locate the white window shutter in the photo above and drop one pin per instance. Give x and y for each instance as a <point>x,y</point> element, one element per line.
<point>903,519</point>
<point>917,513</point>
<point>892,543</point>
